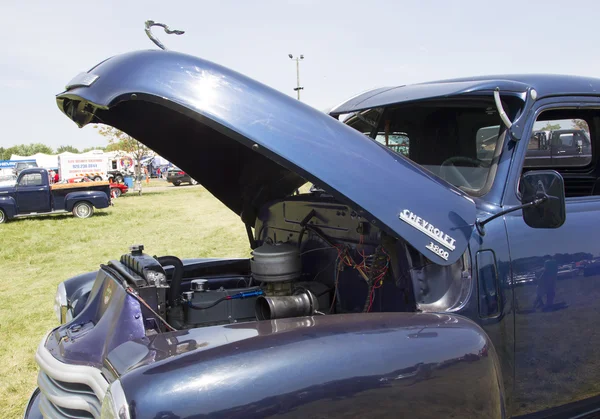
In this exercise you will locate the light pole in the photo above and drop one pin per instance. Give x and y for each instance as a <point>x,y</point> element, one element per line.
<point>297,59</point>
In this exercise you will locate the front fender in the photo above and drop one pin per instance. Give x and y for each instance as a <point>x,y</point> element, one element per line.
<point>8,205</point>
<point>78,290</point>
<point>353,365</point>
<point>98,199</point>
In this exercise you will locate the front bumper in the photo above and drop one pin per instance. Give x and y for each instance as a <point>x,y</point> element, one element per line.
<point>65,390</point>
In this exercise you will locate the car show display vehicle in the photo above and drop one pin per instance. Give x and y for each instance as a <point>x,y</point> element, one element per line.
<point>177,176</point>
<point>414,283</point>
<point>19,166</point>
<point>116,189</point>
<point>33,194</point>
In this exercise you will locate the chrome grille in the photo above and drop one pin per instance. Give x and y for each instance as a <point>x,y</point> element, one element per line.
<point>69,400</point>
<point>66,390</point>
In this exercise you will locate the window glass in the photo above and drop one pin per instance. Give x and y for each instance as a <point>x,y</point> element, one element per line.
<point>487,138</point>
<point>31,179</point>
<point>455,139</point>
<point>559,143</point>
<point>397,141</point>
<point>365,121</point>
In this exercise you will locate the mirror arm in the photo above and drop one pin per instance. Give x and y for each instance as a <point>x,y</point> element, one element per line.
<point>480,224</point>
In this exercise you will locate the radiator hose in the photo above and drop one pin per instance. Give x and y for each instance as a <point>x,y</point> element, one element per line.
<point>175,285</point>
<point>175,311</point>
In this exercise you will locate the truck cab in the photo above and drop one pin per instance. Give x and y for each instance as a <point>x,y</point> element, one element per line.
<point>24,164</point>
<point>33,194</point>
<point>532,285</point>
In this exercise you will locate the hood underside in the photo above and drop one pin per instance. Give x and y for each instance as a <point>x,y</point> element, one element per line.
<point>249,144</point>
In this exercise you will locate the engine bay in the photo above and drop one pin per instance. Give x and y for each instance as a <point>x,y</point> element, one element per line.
<point>311,256</point>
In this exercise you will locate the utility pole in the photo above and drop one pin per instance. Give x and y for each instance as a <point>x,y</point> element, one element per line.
<point>297,59</point>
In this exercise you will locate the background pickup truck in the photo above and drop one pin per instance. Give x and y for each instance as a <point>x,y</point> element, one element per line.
<point>33,194</point>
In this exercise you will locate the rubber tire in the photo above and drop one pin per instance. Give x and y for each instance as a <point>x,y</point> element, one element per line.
<point>2,217</point>
<point>177,183</point>
<point>83,204</point>
<point>116,191</point>
<point>193,182</point>
<point>119,179</point>
<point>97,179</point>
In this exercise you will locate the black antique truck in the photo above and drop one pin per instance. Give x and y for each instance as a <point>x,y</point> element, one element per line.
<point>33,194</point>
<point>419,282</point>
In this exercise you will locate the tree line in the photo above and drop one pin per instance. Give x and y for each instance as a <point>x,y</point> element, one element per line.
<point>117,141</point>
<point>34,148</point>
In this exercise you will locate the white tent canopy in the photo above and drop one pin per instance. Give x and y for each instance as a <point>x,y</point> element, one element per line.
<point>51,160</point>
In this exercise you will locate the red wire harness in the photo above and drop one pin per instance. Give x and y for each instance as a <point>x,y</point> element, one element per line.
<point>364,268</point>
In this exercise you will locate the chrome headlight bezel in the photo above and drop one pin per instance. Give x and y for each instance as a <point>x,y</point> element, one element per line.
<point>114,405</point>
<point>61,303</point>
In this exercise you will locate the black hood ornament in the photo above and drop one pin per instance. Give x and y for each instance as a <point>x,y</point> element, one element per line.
<point>150,23</point>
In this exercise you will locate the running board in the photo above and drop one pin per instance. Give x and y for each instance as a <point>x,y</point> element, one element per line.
<point>35,214</point>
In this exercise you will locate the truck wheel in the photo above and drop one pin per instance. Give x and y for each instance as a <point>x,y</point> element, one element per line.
<point>119,179</point>
<point>116,192</point>
<point>83,210</point>
<point>97,179</point>
<point>177,183</point>
<point>2,217</point>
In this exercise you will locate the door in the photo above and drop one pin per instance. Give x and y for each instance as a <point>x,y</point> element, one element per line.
<point>33,194</point>
<point>557,291</point>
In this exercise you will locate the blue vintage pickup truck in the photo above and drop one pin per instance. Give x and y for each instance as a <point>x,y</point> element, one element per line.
<point>33,194</point>
<point>456,277</point>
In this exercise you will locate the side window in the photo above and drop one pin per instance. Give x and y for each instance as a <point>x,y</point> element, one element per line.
<point>538,141</point>
<point>559,143</point>
<point>486,139</point>
<point>31,179</point>
<point>397,141</point>
<point>364,122</point>
<point>564,140</point>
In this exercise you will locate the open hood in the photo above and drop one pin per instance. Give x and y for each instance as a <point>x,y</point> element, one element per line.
<point>249,144</point>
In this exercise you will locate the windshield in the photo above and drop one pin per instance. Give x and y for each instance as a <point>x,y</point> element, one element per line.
<point>457,140</point>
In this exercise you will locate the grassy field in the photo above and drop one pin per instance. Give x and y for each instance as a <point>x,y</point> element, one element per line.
<point>38,253</point>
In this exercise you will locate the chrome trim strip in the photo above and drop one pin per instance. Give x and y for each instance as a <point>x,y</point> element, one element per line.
<point>81,80</point>
<point>70,400</point>
<point>50,411</point>
<point>78,374</point>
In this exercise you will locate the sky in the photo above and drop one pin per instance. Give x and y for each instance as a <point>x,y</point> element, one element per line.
<point>349,47</point>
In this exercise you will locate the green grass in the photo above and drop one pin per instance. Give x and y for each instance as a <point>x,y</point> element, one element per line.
<point>38,253</point>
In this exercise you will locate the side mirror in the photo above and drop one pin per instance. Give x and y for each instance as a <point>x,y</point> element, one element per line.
<point>547,186</point>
